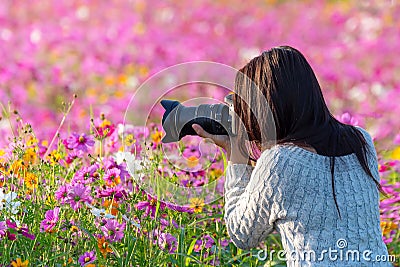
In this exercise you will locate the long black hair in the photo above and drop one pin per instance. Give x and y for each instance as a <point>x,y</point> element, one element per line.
<point>297,105</point>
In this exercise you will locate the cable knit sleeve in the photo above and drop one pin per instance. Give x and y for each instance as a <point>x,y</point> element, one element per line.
<point>253,200</point>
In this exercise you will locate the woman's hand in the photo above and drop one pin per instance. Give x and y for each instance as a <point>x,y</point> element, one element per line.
<point>230,144</point>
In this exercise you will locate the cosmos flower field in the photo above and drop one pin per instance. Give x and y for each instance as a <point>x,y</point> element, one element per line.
<point>76,164</point>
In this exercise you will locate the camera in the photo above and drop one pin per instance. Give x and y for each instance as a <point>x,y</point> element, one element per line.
<point>216,119</point>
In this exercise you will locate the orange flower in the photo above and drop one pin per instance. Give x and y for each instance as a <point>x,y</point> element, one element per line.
<point>30,156</point>
<point>156,137</point>
<point>18,263</point>
<point>31,181</point>
<point>17,168</point>
<point>192,161</point>
<point>196,204</point>
<point>69,261</point>
<point>103,246</point>
<point>387,227</point>
<point>111,205</point>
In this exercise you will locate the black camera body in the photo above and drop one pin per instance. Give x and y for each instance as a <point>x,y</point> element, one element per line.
<point>216,119</point>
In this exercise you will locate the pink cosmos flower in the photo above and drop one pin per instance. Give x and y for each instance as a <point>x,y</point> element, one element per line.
<point>168,242</point>
<point>3,228</point>
<point>149,206</point>
<point>62,194</point>
<point>348,119</point>
<point>85,175</point>
<point>112,177</point>
<point>116,192</point>
<point>78,194</point>
<point>110,163</point>
<point>80,142</point>
<point>86,258</point>
<point>113,231</point>
<point>21,230</point>
<point>198,245</point>
<point>73,155</point>
<point>223,242</point>
<point>208,241</point>
<point>51,219</point>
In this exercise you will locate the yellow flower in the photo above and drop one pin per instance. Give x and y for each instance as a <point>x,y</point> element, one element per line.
<point>31,181</point>
<point>122,79</point>
<point>54,157</point>
<point>30,156</point>
<point>387,227</point>
<point>105,123</point>
<point>396,154</point>
<point>196,204</point>
<point>129,140</point>
<point>2,153</point>
<point>215,173</point>
<point>50,200</point>
<point>17,168</point>
<point>18,263</point>
<point>192,161</point>
<point>156,136</point>
<point>32,141</point>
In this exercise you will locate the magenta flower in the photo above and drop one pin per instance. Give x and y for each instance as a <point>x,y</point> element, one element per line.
<point>62,194</point>
<point>223,242</point>
<point>198,245</point>
<point>3,228</point>
<point>348,119</point>
<point>205,242</point>
<point>112,177</point>
<point>51,219</point>
<point>73,155</point>
<point>21,230</point>
<point>117,192</point>
<point>110,163</point>
<point>191,150</point>
<point>85,175</point>
<point>168,242</point>
<point>113,231</point>
<point>179,208</point>
<point>78,194</point>
<point>208,241</point>
<point>149,206</point>
<point>164,223</point>
<point>80,142</point>
<point>87,257</point>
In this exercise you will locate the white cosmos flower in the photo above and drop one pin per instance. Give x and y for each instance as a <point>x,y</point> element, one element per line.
<point>131,221</point>
<point>7,202</point>
<point>133,165</point>
<point>100,212</point>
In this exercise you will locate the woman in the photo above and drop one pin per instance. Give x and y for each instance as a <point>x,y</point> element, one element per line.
<point>318,186</point>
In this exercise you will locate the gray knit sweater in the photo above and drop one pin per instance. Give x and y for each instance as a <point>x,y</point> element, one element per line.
<point>290,190</point>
